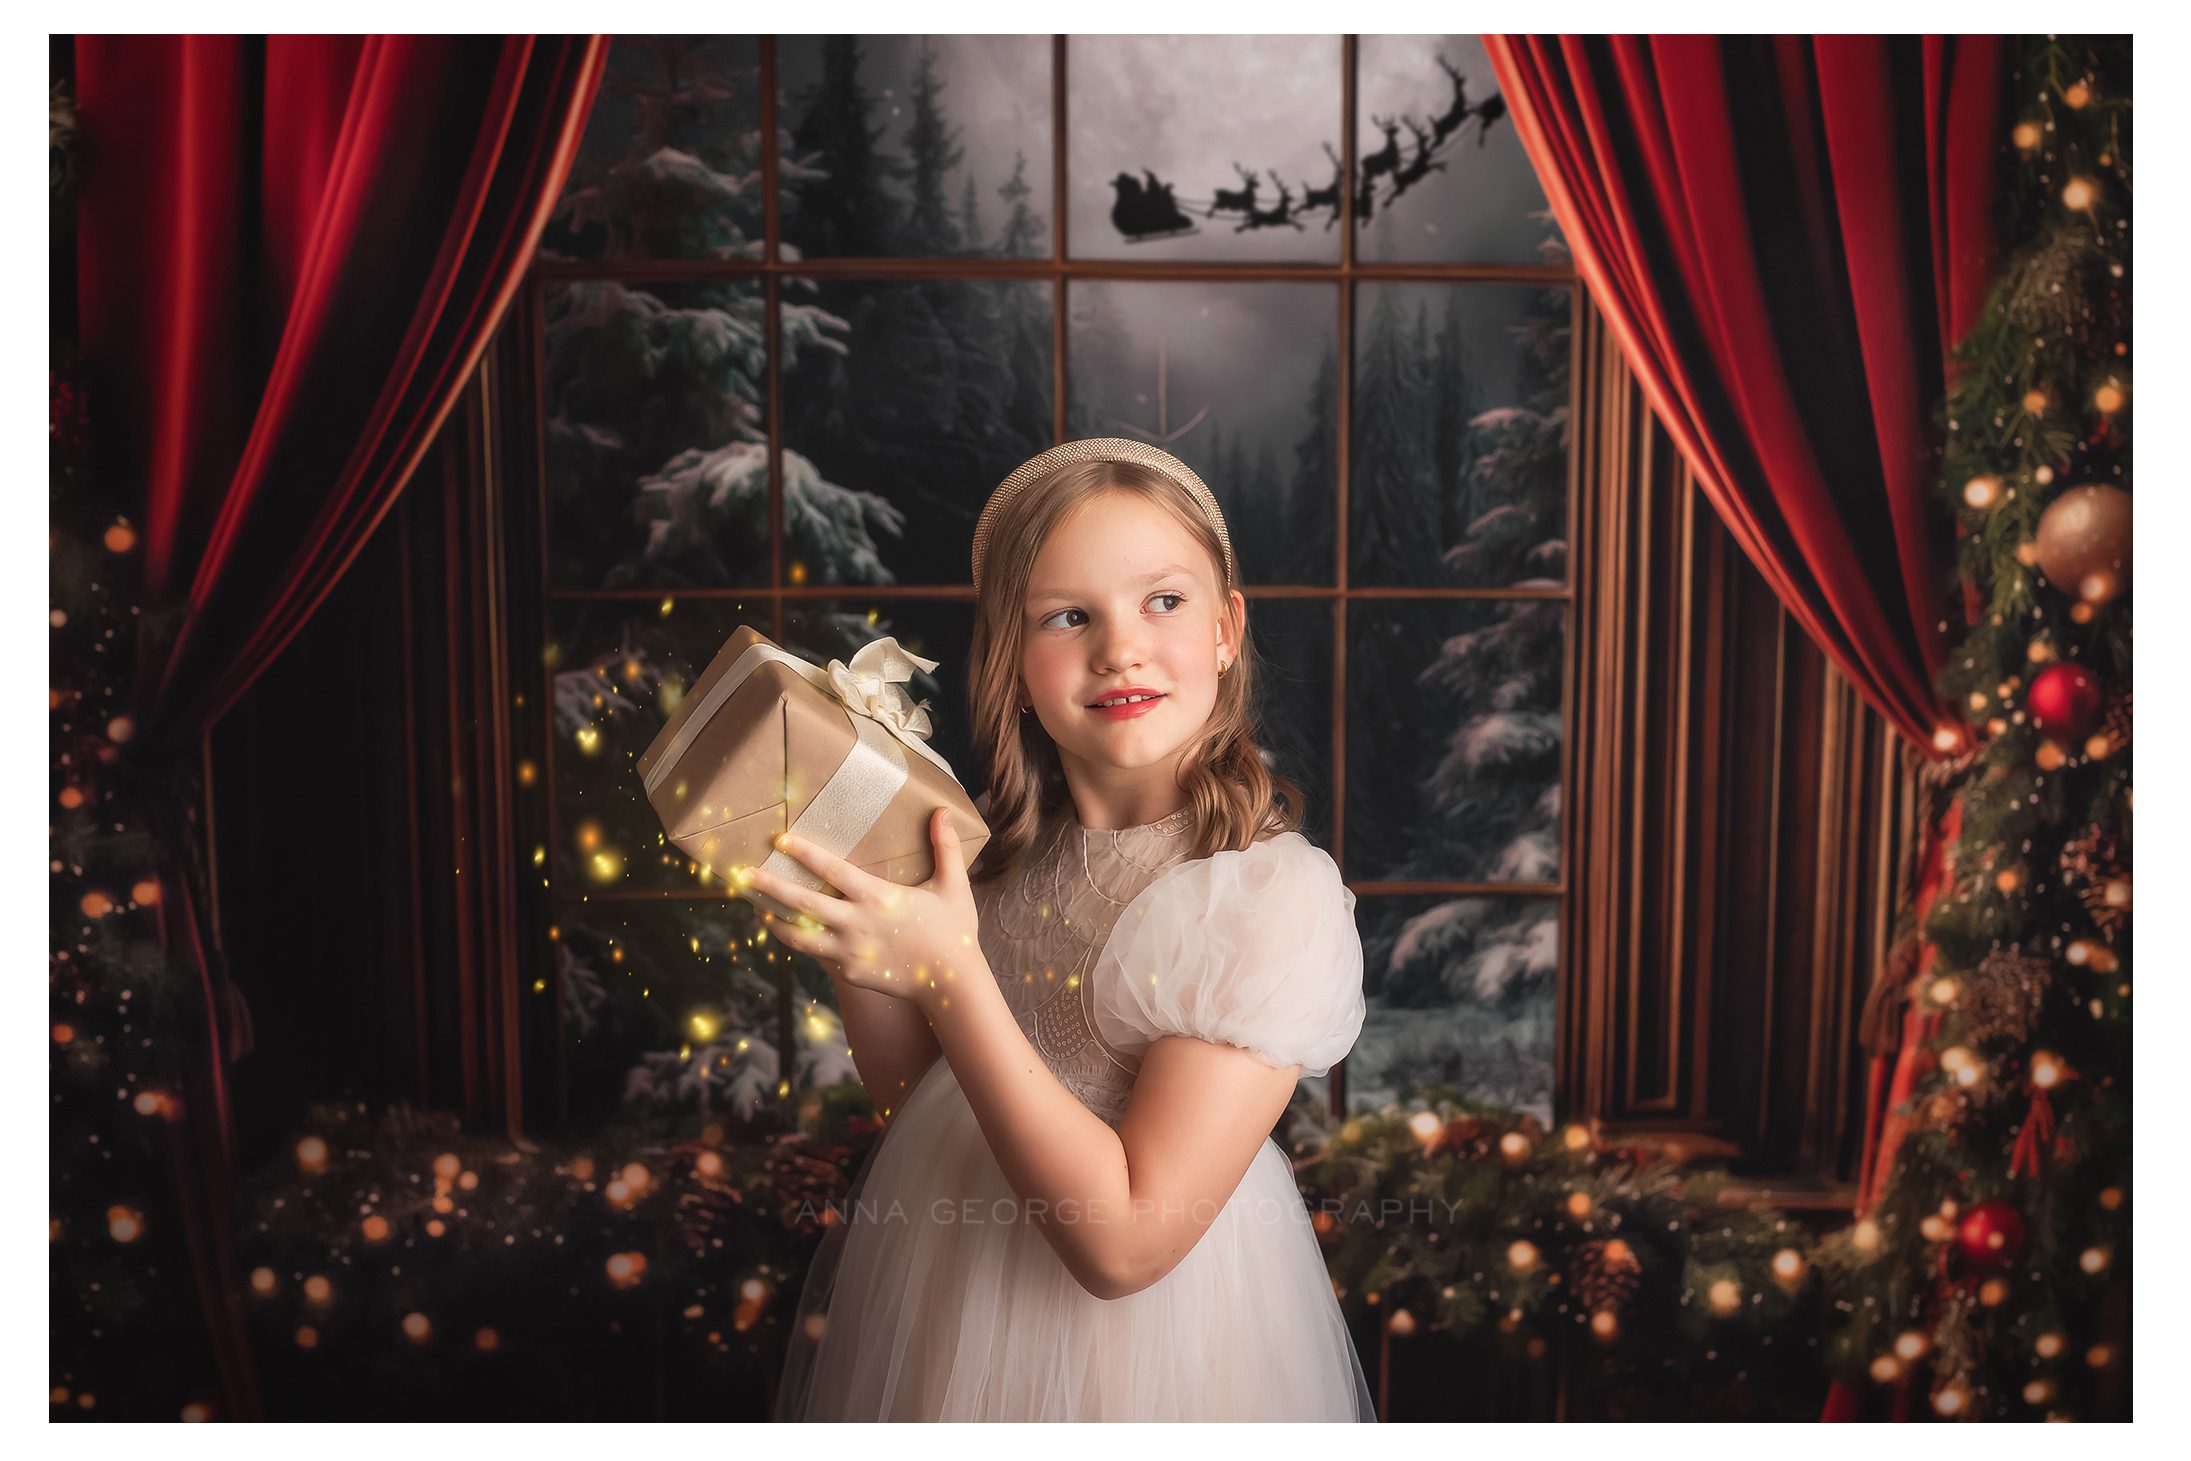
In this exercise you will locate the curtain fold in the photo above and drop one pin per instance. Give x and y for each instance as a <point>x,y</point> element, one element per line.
<point>1787,234</point>
<point>291,252</point>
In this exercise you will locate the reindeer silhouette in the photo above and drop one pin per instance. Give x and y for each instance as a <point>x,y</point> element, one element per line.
<point>1489,112</point>
<point>1449,122</point>
<point>1237,200</point>
<point>1327,197</point>
<point>1412,174</point>
<point>1385,159</point>
<point>1274,217</point>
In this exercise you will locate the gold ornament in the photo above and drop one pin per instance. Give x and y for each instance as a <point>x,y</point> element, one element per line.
<point>2084,542</point>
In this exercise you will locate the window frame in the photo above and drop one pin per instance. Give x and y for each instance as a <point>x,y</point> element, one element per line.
<point>1061,271</point>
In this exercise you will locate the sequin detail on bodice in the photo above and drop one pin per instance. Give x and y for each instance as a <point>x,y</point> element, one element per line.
<point>1042,927</point>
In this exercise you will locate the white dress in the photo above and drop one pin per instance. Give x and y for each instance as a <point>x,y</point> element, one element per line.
<point>935,1300</point>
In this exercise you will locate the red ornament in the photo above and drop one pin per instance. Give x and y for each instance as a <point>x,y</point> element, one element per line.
<point>1991,1236</point>
<point>2064,702</point>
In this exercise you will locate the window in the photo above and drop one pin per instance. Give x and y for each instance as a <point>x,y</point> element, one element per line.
<point>807,299</point>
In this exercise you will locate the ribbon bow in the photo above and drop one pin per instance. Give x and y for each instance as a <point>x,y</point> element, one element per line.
<point>869,686</point>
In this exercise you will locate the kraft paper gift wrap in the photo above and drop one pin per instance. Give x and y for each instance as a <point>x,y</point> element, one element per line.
<point>766,743</point>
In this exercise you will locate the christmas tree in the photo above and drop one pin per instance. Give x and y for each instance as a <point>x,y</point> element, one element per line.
<point>133,1266</point>
<point>1991,1279</point>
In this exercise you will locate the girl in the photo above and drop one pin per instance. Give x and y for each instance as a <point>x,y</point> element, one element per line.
<point>1077,1211</point>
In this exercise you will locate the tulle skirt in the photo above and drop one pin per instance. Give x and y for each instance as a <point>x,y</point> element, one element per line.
<point>934,1298</point>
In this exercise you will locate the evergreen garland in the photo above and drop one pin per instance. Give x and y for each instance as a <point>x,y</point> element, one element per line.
<point>1992,1278</point>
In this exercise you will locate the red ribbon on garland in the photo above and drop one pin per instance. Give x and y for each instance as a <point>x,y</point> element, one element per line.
<point>2038,1130</point>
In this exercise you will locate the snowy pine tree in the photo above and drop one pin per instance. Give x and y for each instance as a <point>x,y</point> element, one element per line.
<point>970,219</point>
<point>1023,228</point>
<point>1448,387</point>
<point>932,149</point>
<point>674,183</point>
<point>1513,493</point>
<point>844,209</point>
<point>1310,494</point>
<point>1394,532</point>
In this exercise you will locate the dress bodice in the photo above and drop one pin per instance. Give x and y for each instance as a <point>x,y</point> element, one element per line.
<point>1045,922</point>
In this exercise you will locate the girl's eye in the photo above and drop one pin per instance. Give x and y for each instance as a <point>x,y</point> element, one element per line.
<point>1181,598</point>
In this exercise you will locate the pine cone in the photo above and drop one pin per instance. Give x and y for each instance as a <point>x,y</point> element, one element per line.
<point>2063,289</point>
<point>1604,1273</point>
<point>807,1180</point>
<point>2090,861</point>
<point>706,1211</point>
<point>2115,723</point>
<point>2000,998</point>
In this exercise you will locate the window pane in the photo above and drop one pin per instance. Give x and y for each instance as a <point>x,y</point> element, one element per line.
<point>1292,639</point>
<point>656,440</point>
<point>1239,381</point>
<point>1453,739</point>
<point>670,1006</point>
<point>922,146</point>
<point>1461,993</point>
<point>1441,178</point>
<point>1459,440</point>
<point>1204,147</point>
<point>905,403</point>
<point>620,669</point>
<point>670,166</point>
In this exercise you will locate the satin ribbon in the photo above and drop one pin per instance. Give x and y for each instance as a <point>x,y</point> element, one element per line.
<point>885,722</point>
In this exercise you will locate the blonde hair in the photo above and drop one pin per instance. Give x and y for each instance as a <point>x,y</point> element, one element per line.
<point>1235,798</point>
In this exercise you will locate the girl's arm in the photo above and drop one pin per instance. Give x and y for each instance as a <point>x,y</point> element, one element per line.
<point>891,1043</point>
<point>1119,1207</point>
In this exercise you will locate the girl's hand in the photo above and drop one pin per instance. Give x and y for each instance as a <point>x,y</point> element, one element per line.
<point>894,938</point>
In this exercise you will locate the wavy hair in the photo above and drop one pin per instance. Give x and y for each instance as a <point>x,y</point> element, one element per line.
<point>1236,798</point>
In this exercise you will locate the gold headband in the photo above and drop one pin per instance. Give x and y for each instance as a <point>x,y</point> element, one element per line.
<point>1101,449</point>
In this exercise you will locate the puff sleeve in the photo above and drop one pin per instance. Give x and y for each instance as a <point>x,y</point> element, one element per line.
<point>1255,948</point>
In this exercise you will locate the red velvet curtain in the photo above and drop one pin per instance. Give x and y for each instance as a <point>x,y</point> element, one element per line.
<point>292,251</point>
<point>1787,234</point>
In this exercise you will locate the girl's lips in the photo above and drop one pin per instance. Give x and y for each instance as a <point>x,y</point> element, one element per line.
<point>1127,712</point>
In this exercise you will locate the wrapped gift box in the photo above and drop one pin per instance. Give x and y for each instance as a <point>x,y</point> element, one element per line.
<point>766,743</point>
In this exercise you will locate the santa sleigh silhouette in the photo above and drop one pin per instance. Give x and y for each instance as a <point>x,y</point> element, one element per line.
<point>1143,212</point>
